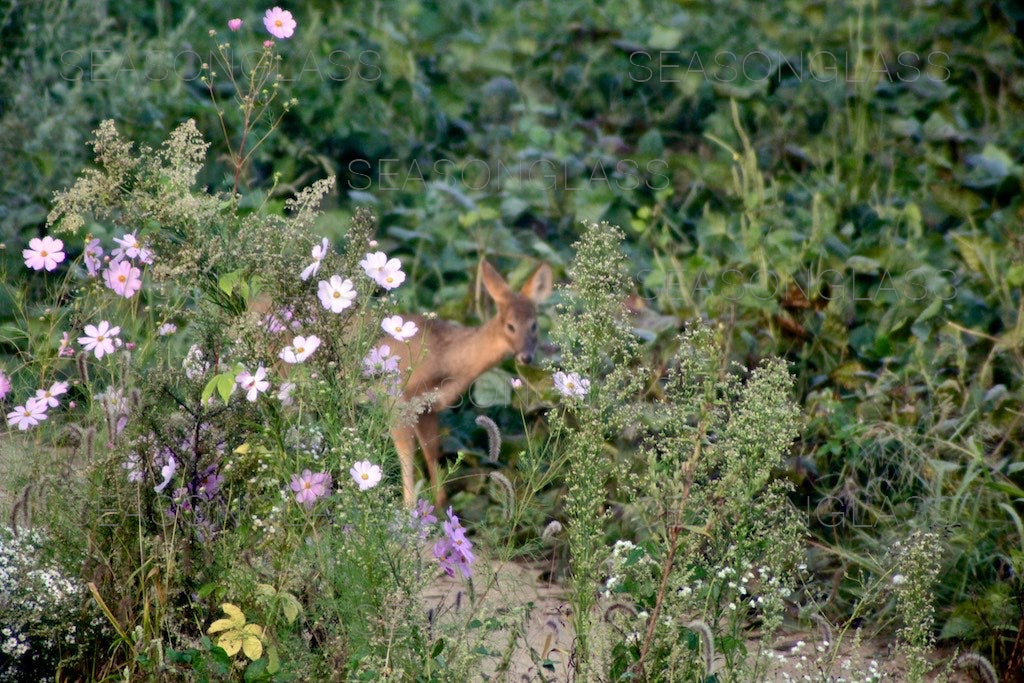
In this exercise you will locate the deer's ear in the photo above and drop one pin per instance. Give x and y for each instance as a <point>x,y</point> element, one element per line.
<point>538,287</point>
<point>494,282</point>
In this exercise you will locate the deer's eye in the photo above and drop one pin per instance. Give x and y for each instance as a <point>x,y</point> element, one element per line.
<point>511,327</point>
<point>533,326</point>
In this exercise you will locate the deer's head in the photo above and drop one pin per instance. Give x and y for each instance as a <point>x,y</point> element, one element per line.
<point>517,311</point>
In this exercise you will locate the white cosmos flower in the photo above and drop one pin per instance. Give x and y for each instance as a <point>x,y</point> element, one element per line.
<point>301,348</point>
<point>167,472</point>
<point>318,252</point>
<point>398,328</point>
<point>366,474</point>
<point>336,294</point>
<point>384,271</point>
<point>571,385</point>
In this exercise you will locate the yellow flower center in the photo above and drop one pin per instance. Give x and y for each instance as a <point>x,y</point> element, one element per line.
<point>390,279</point>
<point>307,485</point>
<point>365,476</point>
<point>337,295</point>
<point>43,253</point>
<point>121,278</point>
<point>278,23</point>
<point>299,349</point>
<point>99,337</point>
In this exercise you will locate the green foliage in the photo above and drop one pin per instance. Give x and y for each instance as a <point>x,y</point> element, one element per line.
<point>850,203</point>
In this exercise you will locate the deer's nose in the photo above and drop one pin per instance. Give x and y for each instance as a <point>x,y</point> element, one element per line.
<point>526,357</point>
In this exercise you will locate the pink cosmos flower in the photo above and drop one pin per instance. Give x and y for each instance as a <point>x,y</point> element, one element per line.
<point>309,486</point>
<point>65,349</point>
<point>253,384</point>
<point>517,383</point>
<point>366,474</point>
<point>571,385</point>
<point>28,415</point>
<point>398,328</point>
<point>234,24</point>
<point>93,256</point>
<point>336,294</point>
<point>48,397</point>
<point>100,338</point>
<point>319,251</point>
<point>5,385</point>
<point>301,348</point>
<point>43,253</point>
<point>268,44</point>
<point>279,22</point>
<point>166,329</point>
<point>124,278</point>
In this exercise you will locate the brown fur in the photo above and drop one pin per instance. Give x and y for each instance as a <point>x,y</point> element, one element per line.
<point>446,358</point>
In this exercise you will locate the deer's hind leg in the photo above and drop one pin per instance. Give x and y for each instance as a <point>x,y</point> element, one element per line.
<point>429,436</point>
<point>405,444</point>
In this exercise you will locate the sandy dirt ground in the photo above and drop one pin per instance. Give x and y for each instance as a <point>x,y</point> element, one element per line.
<point>549,634</point>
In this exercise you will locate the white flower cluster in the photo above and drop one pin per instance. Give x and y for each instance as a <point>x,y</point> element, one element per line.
<point>821,667</point>
<point>33,595</point>
<point>619,564</point>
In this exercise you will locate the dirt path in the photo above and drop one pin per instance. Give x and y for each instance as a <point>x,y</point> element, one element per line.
<point>549,633</point>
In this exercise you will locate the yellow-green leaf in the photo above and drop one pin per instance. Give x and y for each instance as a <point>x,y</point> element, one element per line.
<point>220,625</point>
<point>231,642</point>
<point>252,647</point>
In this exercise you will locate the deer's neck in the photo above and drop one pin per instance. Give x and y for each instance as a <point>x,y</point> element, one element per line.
<point>487,348</point>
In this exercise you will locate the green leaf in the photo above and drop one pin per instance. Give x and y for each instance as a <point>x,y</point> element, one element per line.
<point>208,390</point>
<point>437,649</point>
<point>256,670</point>
<point>493,388</point>
<point>290,606</point>
<point>225,385</point>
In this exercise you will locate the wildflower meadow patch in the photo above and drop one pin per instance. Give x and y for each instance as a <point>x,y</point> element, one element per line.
<point>235,447</point>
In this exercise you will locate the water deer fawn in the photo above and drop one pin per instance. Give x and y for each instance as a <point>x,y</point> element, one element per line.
<point>445,358</point>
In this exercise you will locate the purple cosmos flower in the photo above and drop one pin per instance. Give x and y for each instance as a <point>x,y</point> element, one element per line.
<point>93,256</point>
<point>309,486</point>
<point>380,360</point>
<point>423,518</point>
<point>454,550</point>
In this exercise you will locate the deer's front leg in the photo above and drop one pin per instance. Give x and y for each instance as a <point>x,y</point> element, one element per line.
<point>430,441</point>
<point>405,443</point>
